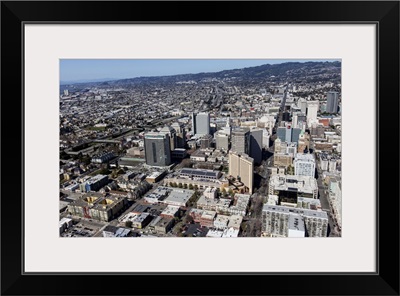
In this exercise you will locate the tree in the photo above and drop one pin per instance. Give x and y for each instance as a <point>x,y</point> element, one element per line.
<point>180,185</point>
<point>189,219</point>
<point>185,186</point>
<point>128,224</point>
<point>171,184</point>
<point>230,192</point>
<point>196,187</point>
<point>190,186</point>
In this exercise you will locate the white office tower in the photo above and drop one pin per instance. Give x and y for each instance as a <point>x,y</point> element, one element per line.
<point>203,124</point>
<point>304,165</point>
<point>227,129</point>
<point>241,166</point>
<point>221,140</point>
<point>294,120</point>
<point>312,111</point>
<point>66,92</point>
<point>332,102</point>
<point>302,104</point>
<point>265,139</point>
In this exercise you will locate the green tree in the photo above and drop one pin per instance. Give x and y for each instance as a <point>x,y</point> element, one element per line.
<point>185,186</point>
<point>180,185</point>
<point>190,186</point>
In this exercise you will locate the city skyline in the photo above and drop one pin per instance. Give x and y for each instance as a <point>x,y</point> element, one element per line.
<point>249,153</point>
<point>97,70</point>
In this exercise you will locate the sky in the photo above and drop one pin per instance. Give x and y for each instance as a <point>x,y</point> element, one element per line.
<point>75,70</point>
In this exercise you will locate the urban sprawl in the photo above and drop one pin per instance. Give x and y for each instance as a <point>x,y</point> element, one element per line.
<point>229,154</point>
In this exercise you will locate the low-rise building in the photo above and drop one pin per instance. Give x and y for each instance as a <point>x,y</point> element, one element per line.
<point>113,231</point>
<point>94,183</point>
<point>235,221</point>
<point>230,232</point>
<point>102,207</point>
<point>281,221</point>
<point>207,218</point>
<point>141,220</point>
<point>305,186</point>
<point>170,212</point>
<point>221,221</point>
<point>178,197</point>
<point>64,224</point>
<point>155,177</point>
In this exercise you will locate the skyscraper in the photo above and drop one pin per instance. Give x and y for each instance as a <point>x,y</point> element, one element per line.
<point>194,130</point>
<point>281,133</point>
<point>157,149</point>
<point>180,134</point>
<point>241,166</point>
<point>241,140</point>
<point>221,141</point>
<point>256,144</point>
<point>312,110</point>
<point>203,123</point>
<point>296,134</point>
<point>332,101</point>
<point>172,136</point>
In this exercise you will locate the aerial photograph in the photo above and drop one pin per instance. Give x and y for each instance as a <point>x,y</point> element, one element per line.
<point>200,148</point>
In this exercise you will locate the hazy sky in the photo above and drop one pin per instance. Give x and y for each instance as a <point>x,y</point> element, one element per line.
<point>87,69</point>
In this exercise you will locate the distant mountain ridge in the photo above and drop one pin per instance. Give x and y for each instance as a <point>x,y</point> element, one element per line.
<point>289,70</point>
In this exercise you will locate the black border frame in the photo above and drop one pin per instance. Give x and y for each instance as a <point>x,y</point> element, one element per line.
<point>385,14</point>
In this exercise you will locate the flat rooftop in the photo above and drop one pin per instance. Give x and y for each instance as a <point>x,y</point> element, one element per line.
<point>289,210</point>
<point>179,195</point>
<point>200,173</point>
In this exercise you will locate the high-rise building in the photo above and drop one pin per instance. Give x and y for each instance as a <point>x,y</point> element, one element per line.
<point>281,133</point>
<point>296,134</point>
<point>206,141</point>
<point>203,123</point>
<point>294,119</point>
<point>227,128</point>
<point>241,140</point>
<point>312,111</point>
<point>194,130</point>
<point>265,139</point>
<point>302,104</point>
<point>304,165</point>
<point>180,134</point>
<point>241,166</point>
<point>221,141</point>
<point>256,144</point>
<point>66,92</point>
<point>332,101</point>
<point>157,149</point>
<point>288,133</point>
<point>173,143</point>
